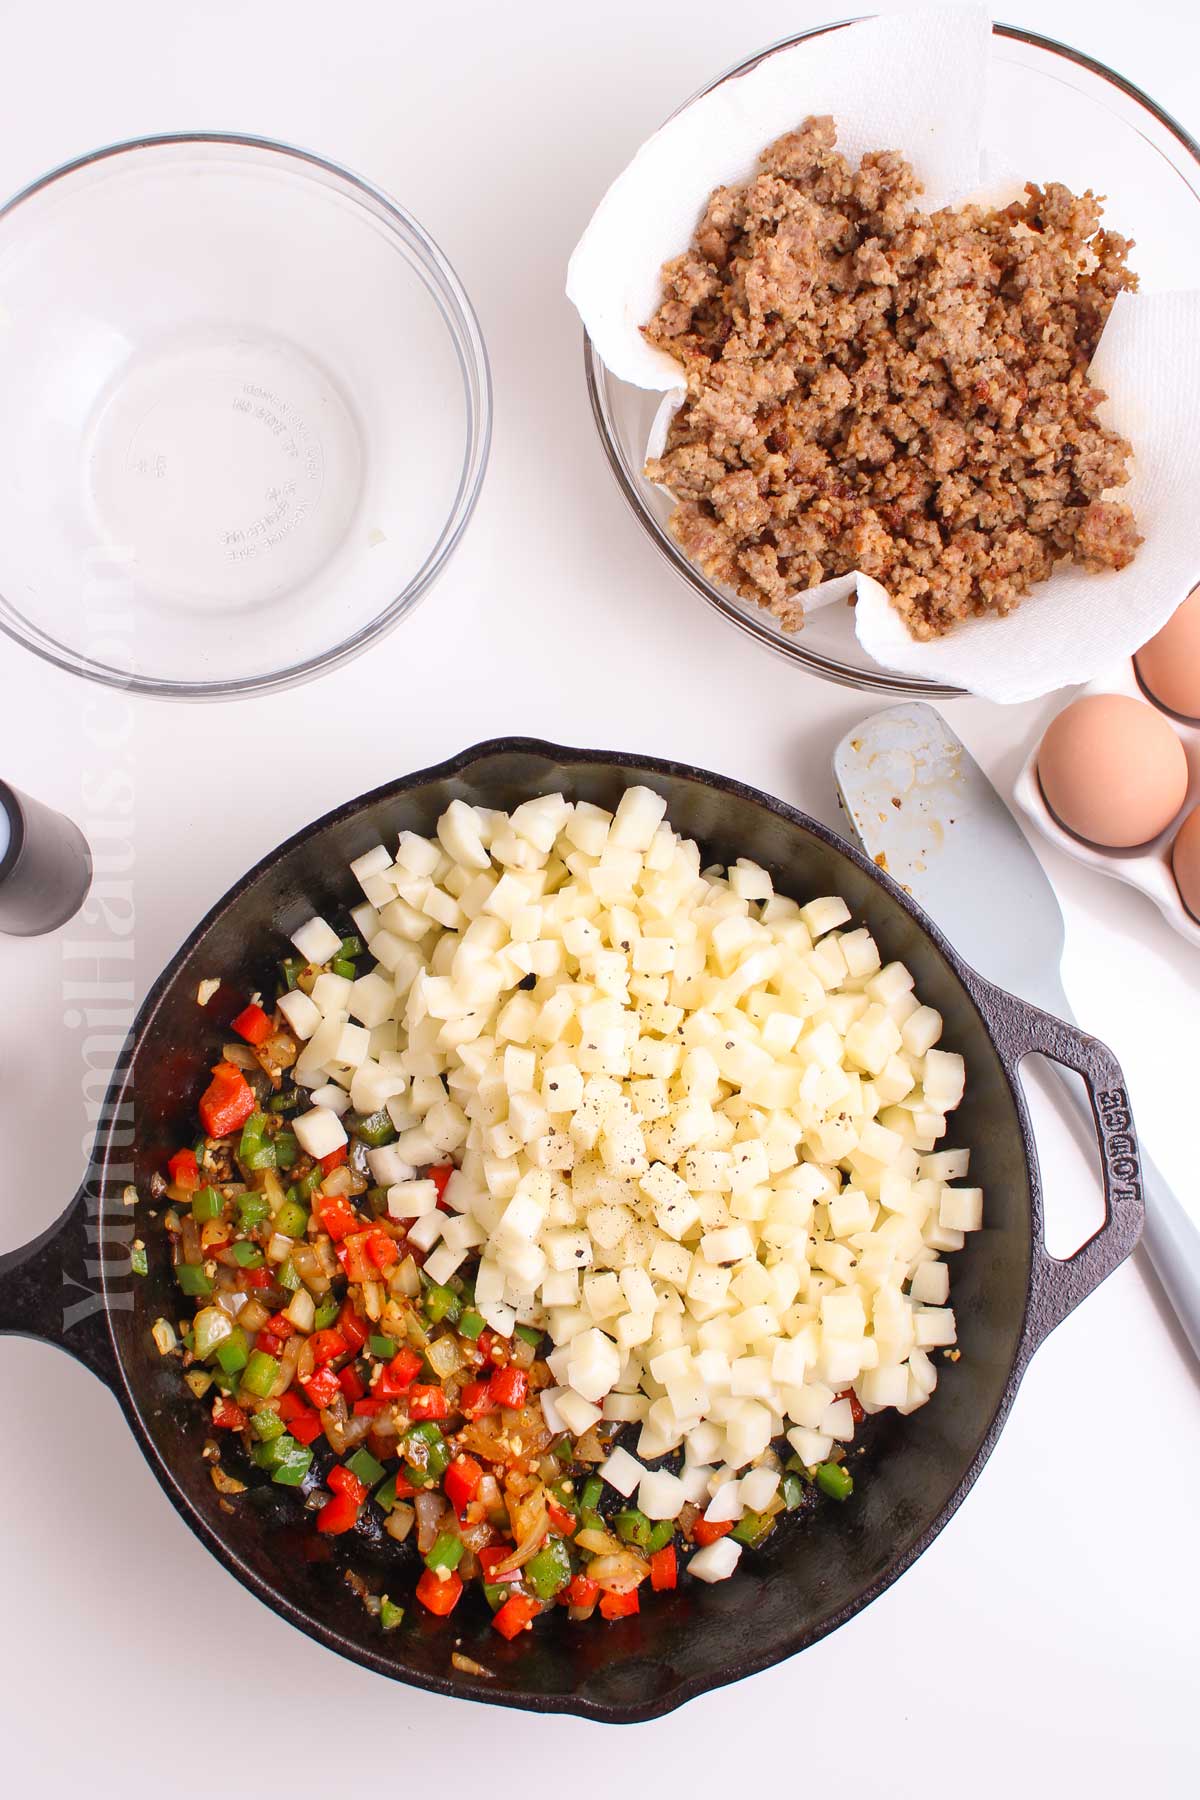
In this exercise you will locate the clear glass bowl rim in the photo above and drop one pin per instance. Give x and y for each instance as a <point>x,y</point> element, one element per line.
<point>467,337</point>
<point>843,674</point>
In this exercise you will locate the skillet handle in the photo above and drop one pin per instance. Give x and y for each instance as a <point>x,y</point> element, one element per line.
<point>51,1288</point>
<point>1058,1284</point>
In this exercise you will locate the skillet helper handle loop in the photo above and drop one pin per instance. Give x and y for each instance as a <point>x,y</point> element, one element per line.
<point>1060,1283</point>
<point>50,1290</point>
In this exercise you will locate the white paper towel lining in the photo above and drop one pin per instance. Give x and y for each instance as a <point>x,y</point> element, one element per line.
<point>886,82</point>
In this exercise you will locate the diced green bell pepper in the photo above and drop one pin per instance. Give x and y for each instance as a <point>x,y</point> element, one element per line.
<point>255,1149</point>
<point>386,1495</point>
<point>528,1334</point>
<point>566,1496</point>
<point>207,1204</point>
<point>366,1467</point>
<point>633,1527</point>
<point>261,1374</point>
<point>308,1184</point>
<point>266,1425</point>
<point>246,1255</point>
<point>593,1488</point>
<point>341,965</point>
<point>472,1324</point>
<point>291,1219</point>
<point>352,946</point>
<point>382,1347</point>
<point>441,1303</point>
<point>835,1480</point>
<point>287,1149</point>
<point>287,1277</point>
<point>290,1472</point>
<point>445,1552</point>
<point>426,1453</point>
<point>192,1279</point>
<point>253,1209</point>
<point>549,1571</point>
<point>752,1529</point>
<point>496,1593</point>
<point>661,1534</point>
<point>287,1100</point>
<point>137,1260</point>
<point>375,1129</point>
<point>792,1489</point>
<point>326,1315</point>
<point>390,1615</point>
<point>234,1352</point>
<point>291,968</point>
<point>270,1452</point>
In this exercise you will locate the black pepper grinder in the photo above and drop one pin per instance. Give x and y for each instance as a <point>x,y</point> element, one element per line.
<point>45,866</point>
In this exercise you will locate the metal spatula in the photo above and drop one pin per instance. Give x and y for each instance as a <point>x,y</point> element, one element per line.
<point>925,811</point>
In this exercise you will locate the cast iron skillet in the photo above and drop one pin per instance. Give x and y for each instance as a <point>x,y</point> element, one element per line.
<point>813,1574</point>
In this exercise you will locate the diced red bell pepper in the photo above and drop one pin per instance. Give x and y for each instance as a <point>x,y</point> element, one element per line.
<point>476,1400</point>
<point>338,1515</point>
<point>382,1251</point>
<point>288,1405</point>
<point>253,1024</point>
<point>281,1325</point>
<point>461,1481</point>
<point>664,1569</point>
<point>583,1592</point>
<point>227,1414</point>
<point>427,1403</point>
<point>365,1407</point>
<point>305,1425</point>
<point>334,1160</point>
<point>619,1606</point>
<point>516,1615</point>
<point>328,1344</point>
<point>856,1411</point>
<point>397,1375</point>
<point>352,1327</point>
<point>352,1254</point>
<point>440,1176</point>
<point>269,1342</point>
<point>336,1216</point>
<point>227,1102</point>
<point>564,1522</point>
<point>256,1278</point>
<point>341,1480</point>
<point>404,1487</point>
<point>183,1170</point>
<point>707,1531</point>
<point>322,1386</point>
<point>351,1383</point>
<point>509,1387</point>
<point>439,1594</point>
<point>491,1557</point>
<point>491,1347</point>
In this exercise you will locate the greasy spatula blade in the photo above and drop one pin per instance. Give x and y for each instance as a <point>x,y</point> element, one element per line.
<point>927,814</point>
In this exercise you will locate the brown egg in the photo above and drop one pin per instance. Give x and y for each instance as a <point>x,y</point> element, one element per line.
<point>1185,861</point>
<point>1112,770</point>
<point>1169,665</point>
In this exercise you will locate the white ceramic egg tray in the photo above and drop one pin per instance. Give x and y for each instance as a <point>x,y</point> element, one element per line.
<point>1147,868</point>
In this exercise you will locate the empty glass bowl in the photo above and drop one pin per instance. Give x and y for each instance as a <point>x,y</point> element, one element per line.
<point>1057,116</point>
<point>247,415</point>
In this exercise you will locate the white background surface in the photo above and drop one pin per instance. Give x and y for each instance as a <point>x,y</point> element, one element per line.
<point>1049,1637</point>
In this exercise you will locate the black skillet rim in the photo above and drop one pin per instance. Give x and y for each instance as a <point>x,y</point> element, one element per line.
<point>453,1685</point>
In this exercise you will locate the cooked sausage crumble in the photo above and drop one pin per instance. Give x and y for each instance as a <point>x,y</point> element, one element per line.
<point>872,387</point>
